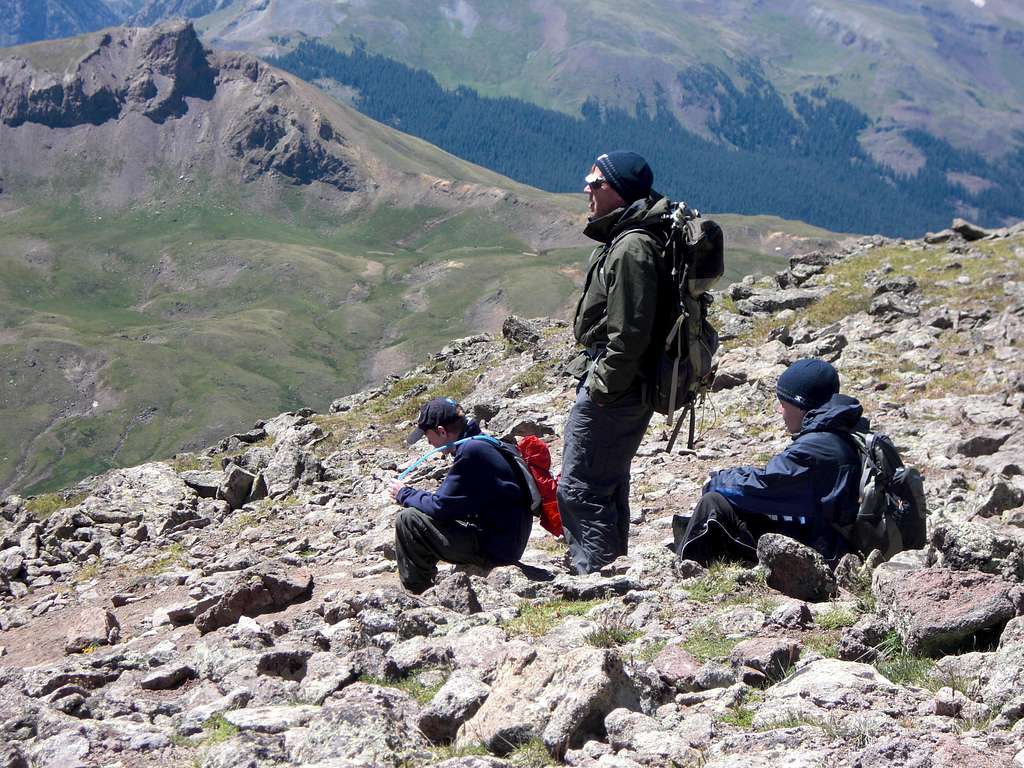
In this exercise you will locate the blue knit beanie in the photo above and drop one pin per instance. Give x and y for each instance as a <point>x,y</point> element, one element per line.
<point>628,173</point>
<point>808,383</point>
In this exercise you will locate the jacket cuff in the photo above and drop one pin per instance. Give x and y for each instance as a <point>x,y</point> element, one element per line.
<point>404,494</point>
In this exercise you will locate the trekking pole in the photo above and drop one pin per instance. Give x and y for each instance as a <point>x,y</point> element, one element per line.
<point>678,426</point>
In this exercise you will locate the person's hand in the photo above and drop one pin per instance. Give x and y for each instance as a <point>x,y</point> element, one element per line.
<point>395,487</point>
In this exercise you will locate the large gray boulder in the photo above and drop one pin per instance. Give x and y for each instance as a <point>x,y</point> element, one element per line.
<point>456,701</point>
<point>561,698</point>
<point>260,590</point>
<point>823,686</point>
<point>1006,673</point>
<point>366,725</point>
<point>794,569</point>
<point>980,546</point>
<point>937,609</point>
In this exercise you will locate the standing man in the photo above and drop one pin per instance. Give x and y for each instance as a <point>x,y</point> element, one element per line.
<point>616,317</point>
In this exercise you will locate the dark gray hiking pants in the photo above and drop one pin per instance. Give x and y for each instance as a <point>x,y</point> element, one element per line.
<point>593,492</point>
<point>422,542</point>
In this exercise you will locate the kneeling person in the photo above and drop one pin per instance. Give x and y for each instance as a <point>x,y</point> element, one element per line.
<point>800,491</point>
<point>480,515</point>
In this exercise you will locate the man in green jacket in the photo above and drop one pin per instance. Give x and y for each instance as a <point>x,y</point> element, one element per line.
<point>616,318</point>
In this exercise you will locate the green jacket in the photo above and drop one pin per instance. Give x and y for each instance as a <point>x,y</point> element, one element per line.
<point>616,316</point>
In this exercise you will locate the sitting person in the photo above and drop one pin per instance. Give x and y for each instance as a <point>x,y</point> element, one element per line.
<point>480,515</point>
<point>799,492</point>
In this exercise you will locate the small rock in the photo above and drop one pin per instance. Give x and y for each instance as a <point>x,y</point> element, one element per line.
<point>456,593</point>
<point>677,667</point>
<point>771,656</point>
<point>792,615</point>
<point>167,678</point>
<point>456,701</point>
<point>94,626</point>
<point>271,719</point>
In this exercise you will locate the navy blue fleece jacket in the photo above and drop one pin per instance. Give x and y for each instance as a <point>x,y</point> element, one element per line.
<point>481,490</point>
<point>809,483</point>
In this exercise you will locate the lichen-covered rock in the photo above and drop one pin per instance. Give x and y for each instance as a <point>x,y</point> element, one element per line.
<point>454,703</point>
<point>937,609</point>
<point>260,590</point>
<point>559,698</point>
<point>979,546</point>
<point>367,725</point>
<point>794,569</point>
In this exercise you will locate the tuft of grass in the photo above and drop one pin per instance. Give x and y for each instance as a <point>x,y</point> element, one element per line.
<point>536,619</point>
<point>248,518</point>
<point>172,556</point>
<point>706,641</point>
<point>650,651</point>
<point>217,730</point>
<point>612,636</point>
<point>825,643</point>
<point>836,618</point>
<point>441,753</point>
<point>87,571</point>
<point>532,379</point>
<point>532,754</point>
<point>721,579</point>
<point>861,590</point>
<point>411,684</point>
<point>44,505</point>
<point>899,665</point>
<point>741,715</point>
<point>188,462</point>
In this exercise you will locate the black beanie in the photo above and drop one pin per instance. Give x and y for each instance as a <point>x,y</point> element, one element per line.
<point>628,173</point>
<point>808,383</point>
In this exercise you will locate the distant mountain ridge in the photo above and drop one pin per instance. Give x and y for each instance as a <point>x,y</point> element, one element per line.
<point>867,115</point>
<point>192,239</point>
<point>27,21</point>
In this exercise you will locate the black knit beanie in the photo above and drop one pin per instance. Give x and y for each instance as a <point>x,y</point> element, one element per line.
<point>808,383</point>
<point>628,173</point>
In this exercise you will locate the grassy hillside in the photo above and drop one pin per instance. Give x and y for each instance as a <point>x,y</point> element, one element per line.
<point>135,333</point>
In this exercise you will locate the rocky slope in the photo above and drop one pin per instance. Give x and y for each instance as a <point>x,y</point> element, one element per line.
<point>240,607</point>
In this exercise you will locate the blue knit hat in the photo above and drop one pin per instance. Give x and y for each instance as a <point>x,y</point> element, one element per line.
<point>628,173</point>
<point>808,383</point>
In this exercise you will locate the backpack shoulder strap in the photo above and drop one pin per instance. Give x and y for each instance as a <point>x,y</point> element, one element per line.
<point>517,463</point>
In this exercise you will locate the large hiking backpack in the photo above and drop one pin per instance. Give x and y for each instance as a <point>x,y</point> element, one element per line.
<point>891,509</point>
<point>683,369</point>
<point>537,456</point>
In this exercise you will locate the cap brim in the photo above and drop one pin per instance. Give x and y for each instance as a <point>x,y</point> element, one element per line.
<point>415,436</point>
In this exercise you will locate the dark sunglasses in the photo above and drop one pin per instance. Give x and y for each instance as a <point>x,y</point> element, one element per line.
<point>594,182</point>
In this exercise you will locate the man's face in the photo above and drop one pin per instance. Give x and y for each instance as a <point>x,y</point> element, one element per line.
<point>602,198</point>
<point>437,437</point>
<point>792,416</point>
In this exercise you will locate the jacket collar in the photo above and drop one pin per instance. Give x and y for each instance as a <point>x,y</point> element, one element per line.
<point>641,213</point>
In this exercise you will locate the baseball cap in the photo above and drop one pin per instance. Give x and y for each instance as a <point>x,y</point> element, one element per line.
<point>434,413</point>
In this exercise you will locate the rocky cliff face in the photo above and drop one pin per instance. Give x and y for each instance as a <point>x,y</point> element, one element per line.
<point>165,75</point>
<point>240,607</point>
